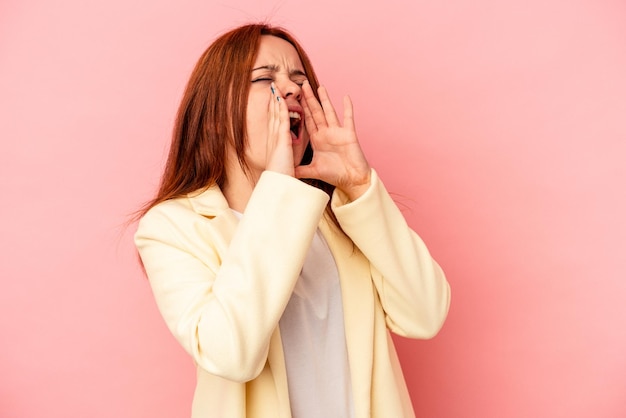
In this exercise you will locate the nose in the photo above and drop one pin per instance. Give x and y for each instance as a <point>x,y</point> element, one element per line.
<point>289,88</point>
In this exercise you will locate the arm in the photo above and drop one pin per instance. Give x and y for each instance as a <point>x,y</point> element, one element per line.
<point>223,304</point>
<point>412,287</point>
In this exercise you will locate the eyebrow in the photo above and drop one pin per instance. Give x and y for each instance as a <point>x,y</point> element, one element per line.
<point>276,68</point>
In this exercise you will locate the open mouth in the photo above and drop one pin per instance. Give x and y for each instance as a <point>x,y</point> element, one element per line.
<point>295,122</point>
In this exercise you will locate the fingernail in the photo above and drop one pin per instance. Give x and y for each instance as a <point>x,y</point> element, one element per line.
<point>273,91</point>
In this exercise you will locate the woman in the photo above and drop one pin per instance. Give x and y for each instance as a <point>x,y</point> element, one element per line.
<point>282,290</point>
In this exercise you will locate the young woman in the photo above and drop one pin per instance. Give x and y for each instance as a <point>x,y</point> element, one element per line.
<point>275,254</point>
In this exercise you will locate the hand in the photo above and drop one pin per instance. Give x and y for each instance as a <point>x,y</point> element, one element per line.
<point>337,155</point>
<point>279,152</point>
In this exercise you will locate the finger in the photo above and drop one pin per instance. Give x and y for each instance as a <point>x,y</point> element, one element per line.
<point>276,92</point>
<point>305,172</point>
<point>274,109</point>
<point>348,114</point>
<point>271,107</point>
<point>317,113</point>
<point>327,106</point>
<point>309,123</point>
<point>281,110</point>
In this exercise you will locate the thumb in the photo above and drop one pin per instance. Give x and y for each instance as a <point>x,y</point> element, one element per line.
<point>306,172</point>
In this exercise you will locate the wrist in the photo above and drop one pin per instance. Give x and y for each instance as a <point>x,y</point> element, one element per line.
<point>358,188</point>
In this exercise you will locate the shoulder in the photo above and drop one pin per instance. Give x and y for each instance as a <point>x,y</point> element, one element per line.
<point>182,217</point>
<point>169,212</point>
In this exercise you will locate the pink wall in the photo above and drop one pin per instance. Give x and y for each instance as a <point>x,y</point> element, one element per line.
<point>501,126</point>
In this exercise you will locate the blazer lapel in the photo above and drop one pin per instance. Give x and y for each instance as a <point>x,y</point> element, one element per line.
<point>212,204</point>
<point>276,360</point>
<point>357,296</point>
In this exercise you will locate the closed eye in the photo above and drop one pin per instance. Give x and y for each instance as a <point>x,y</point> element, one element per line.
<point>262,79</point>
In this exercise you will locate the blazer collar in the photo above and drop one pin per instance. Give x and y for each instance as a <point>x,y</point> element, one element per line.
<point>208,202</point>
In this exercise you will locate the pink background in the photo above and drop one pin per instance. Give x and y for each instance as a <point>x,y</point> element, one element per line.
<point>499,125</point>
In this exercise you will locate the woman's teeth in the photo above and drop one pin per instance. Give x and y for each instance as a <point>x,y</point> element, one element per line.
<point>294,123</point>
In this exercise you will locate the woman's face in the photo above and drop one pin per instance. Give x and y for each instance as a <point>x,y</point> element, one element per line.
<point>277,61</point>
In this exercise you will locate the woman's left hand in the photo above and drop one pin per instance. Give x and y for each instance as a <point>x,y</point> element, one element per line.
<point>337,156</point>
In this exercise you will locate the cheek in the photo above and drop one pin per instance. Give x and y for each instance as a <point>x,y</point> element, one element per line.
<point>258,103</point>
<point>256,126</point>
<point>257,114</point>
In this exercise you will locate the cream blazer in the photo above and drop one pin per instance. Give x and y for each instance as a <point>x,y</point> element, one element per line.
<point>222,284</point>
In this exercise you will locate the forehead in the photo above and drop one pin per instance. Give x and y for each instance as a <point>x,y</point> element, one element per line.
<point>277,51</point>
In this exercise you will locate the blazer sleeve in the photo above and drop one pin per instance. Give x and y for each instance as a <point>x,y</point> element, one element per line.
<point>412,288</point>
<point>223,305</point>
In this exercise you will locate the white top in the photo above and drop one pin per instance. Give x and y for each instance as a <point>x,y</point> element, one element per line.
<point>314,342</point>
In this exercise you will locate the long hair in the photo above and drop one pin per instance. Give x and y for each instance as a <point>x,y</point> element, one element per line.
<point>212,114</point>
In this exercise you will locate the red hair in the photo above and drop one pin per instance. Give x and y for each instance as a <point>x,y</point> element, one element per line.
<point>212,113</point>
